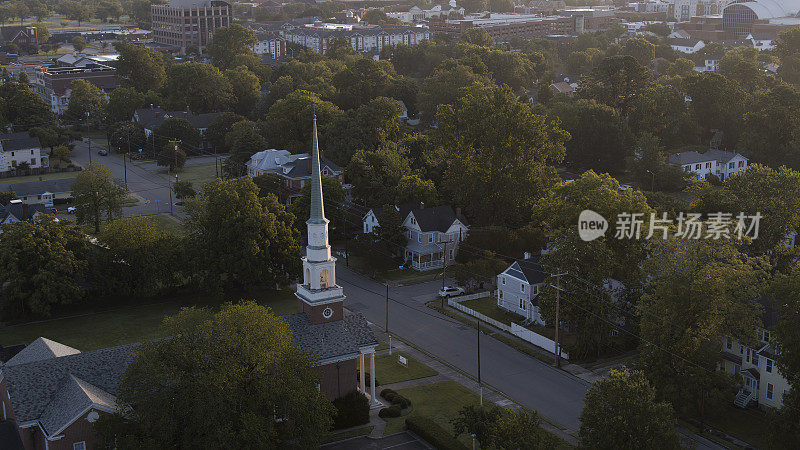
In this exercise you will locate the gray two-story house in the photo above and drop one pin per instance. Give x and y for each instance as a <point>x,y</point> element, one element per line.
<point>518,288</point>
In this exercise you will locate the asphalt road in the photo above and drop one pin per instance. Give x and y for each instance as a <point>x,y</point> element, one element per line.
<point>399,441</point>
<point>532,383</point>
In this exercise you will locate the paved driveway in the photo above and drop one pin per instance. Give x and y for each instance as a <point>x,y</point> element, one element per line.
<point>400,441</point>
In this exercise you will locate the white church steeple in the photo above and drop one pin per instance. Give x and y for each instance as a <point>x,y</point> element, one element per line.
<point>319,296</point>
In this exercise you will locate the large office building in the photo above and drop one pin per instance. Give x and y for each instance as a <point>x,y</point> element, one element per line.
<point>182,23</point>
<point>54,82</point>
<point>504,27</point>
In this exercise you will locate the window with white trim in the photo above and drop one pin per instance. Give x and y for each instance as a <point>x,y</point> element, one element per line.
<point>765,337</point>
<point>535,289</point>
<point>770,388</point>
<point>728,343</point>
<point>79,445</point>
<point>522,288</point>
<point>522,305</point>
<point>768,365</point>
<point>503,279</point>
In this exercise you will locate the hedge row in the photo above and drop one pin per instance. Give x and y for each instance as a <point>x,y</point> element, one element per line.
<point>432,433</point>
<point>351,410</point>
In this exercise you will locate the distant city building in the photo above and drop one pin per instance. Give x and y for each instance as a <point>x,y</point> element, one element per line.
<point>182,23</point>
<point>743,17</point>
<point>19,35</point>
<point>505,27</point>
<point>683,10</point>
<point>270,43</point>
<point>54,83</point>
<point>18,148</point>
<point>318,36</point>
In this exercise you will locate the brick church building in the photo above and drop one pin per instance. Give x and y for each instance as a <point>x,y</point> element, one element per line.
<point>51,394</point>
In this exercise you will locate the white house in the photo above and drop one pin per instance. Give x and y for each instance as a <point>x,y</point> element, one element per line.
<point>710,65</point>
<point>519,286</point>
<point>718,162</point>
<point>688,46</point>
<point>761,41</point>
<point>762,382</point>
<point>41,192</point>
<point>294,169</point>
<point>18,148</point>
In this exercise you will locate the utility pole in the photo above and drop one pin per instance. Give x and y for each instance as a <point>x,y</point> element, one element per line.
<point>387,318</point>
<point>125,170</point>
<point>175,151</point>
<point>557,348</point>
<point>480,385</point>
<point>444,269</point>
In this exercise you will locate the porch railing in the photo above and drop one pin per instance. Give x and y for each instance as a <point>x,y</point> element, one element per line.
<point>427,265</point>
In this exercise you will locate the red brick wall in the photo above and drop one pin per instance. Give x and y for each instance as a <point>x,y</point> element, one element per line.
<point>80,430</point>
<point>314,313</point>
<point>5,402</point>
<point>335,383</point>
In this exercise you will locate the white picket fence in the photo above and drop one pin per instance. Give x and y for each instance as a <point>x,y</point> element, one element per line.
<point>515,329</point>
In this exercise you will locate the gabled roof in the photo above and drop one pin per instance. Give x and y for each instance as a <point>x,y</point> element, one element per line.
<point>17,211</point>
<point>73,397</point>
<point>436,218</point>
<point>152,118</point>
<point>332,339</point>
<point>38,187</point>
<point>20,140</point>
<point>41,349</point>
<point>300,167</point>
<point>693,157</point>
<point>684,42</point>
<point>528,270</point>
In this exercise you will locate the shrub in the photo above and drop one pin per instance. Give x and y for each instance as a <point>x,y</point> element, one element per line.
<point>386,393</point>
<point>432,433</point>
<point>401,401</point>
<point>392,411</point>
<point>351,410</point>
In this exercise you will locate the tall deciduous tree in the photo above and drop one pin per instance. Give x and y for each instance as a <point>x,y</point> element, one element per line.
<point>200,87</point>
<point>97,193</point>
<point>246,89</point>
<point>241,238</point>
<point>139,66</point>
<point>289,121</point>
<point>505,151</point>
<point>375,174</point>
<point>237,369</point>
<point>620,411</point>
<point>41,264</point>
<point>86,102</point>
<point>230,42</point>
<point>697,293</point>
<point>122,103</point>
<point>616,81</point>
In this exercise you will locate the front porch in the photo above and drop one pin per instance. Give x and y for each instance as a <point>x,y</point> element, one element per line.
<point>424,256</point>
<point>749,391</point>
<point>374,402</point>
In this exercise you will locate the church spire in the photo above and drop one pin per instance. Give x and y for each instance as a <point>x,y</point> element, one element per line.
<point>317,208</point>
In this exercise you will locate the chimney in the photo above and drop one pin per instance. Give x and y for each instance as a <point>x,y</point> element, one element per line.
<point>24,211</point>
<point>421,205</point>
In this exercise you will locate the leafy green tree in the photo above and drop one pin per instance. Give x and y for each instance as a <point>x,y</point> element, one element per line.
<point>256,373</point>
<point>243,141</point>
<point>200,87</point>
<point>617,81</point>
<point>215,133</point>
<point>290,119</point>
<point>659,28</point>
<point>95,192</point>
<point>41,264</point>
<point>697,293</point>
<point>183,189</point>
<point>718,103</point>
<point>498,428</point>
<point>447,83</point>
<point>648,165</point>
<point>742,65</point>
<point>122,103</point>
<point>376,173</point>
<point>412,188</point>
<point>78,43</point>
<point>127,136</point>
<point>42,34</point>
<point>140,258</point>
<point>60,156</point>
<point>641,49</point>
<point>246,89</point>
<point>498,143</point>
<point>228,43</point>
<point>362,81</point>
<point>240,238</point>
<point>86,102</point>
<point>22,107</point>
<point>139,66</point>
<point>600,138</point>
<point>272,183</point>
<point>171,156</point>
<point>661,110</point>
<point>390,236</point>
<point>787,48</point>
<point>770,128</point>
<point>179,130</point>
<point>621,411</point>
<point>370,126</point>
<point>6,197</point>
<point>334,197</point>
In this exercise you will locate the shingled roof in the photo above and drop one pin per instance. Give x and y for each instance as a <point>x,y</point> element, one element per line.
<point>436,218</point>
<point>20,140</point>
<point>333,339</point>
<point>41,349</point>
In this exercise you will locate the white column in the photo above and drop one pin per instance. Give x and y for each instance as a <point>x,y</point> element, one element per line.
<point>372,376</point>
<point>362,381</point>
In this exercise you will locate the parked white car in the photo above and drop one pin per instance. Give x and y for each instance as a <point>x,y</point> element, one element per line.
<point>450,291</point>
<point>71,210</point>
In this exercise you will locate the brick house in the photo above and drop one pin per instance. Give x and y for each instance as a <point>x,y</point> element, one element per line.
<point>294,169</point>
<point>54,393</point>
<point>20,35</point>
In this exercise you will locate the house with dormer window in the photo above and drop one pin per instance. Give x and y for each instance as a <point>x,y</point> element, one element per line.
<point>294,169</point>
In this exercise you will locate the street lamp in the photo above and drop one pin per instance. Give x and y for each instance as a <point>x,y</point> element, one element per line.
<point>653,183</point>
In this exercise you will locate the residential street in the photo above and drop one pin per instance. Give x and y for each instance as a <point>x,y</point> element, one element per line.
<point>530,382</point>
<point>152,187</point>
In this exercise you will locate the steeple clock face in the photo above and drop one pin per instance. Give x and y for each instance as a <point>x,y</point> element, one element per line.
<point>327,313</point>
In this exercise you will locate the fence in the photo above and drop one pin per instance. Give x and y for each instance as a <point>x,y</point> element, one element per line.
<point>517,330</point>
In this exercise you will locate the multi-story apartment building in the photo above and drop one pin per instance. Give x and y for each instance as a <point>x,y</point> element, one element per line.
<point>18,148</point>
<point>504,27</point>
<point>683,10</point>
<point>270,43</point>
<point>54,83</point>
<point>182,23</point>
<point>363,38</point>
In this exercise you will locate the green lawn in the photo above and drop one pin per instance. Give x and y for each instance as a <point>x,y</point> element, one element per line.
<point>129,324</point>
<point>438,401</point>
<point>46,176</point>
<point>198,175</point>
<point>167,223</point>
<point>391,371</point>
<point>748,425</point>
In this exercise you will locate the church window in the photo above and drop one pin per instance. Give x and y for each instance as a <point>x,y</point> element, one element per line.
<point>308,276</point>
<point>323,279</point>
